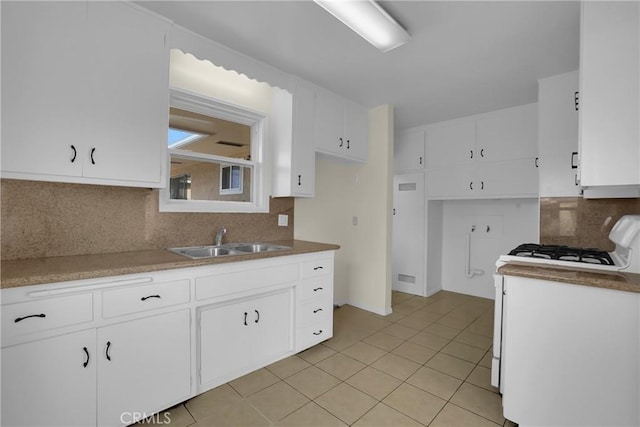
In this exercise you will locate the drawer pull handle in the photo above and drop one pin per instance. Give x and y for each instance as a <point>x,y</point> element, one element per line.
<point>317,310</point>
<point>318,333</point>
<point>20,319</point>
<point>86,362</point>
<point>341,143</point>
<point>318,268</point>
<point>317,289</point>
<point>73,159</point>
<point>150,296</point>
<point>93,150</point>
<point>245,318</point>
<point>258,316</point>
<point>107,351</point>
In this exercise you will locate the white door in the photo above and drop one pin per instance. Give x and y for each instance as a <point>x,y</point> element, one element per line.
<point>236,337</point>
<point>508,134</point>
<point>451,143</point>
<point>329,123</point>
<point>408,151</point>
<point>50,382</point>
<point>454,182</point>
<point>129,81</point>
<point>304,158</point>
<point>408,233</point>
<point>142,355</point>
<point>610,93</point>
<point>510,178</point>
<point>356,130</point>
<point>558,135</point>
<point>43,81</point>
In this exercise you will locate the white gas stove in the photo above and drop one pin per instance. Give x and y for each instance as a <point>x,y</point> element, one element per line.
<point>626,256</point>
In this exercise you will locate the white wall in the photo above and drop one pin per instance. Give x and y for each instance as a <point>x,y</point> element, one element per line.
<point>512,222</point>
<point>363,264</point>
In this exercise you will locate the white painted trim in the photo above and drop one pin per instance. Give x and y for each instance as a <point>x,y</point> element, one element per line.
<point>376,310</point>
<point>258,122</point>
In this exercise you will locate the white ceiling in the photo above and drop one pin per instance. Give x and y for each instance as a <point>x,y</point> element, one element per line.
<point>463,58</point>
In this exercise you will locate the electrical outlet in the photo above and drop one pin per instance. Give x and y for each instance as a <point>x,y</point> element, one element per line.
<point>354,220</point>
<point>283,220</point>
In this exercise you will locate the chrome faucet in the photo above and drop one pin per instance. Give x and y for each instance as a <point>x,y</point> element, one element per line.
<point>221,232</point>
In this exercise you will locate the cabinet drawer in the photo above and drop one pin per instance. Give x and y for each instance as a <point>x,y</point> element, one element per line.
<point>316,288</point>
<point>35,316</point>
<point>314,333</point>
<point>239,281</point>
<point>315,310</point>
<point>129,300</point>
<point>320,267</point>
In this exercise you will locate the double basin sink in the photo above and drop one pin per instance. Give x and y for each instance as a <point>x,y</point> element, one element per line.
<point>214,251</point>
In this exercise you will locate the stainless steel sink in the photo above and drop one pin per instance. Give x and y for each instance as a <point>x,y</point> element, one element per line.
<point>260,247</point>
<point>214,251</point>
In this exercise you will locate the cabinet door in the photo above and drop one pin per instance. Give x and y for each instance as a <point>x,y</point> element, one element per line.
<point>329,123</point>
<point>129,101</point>
<point>356,131</point>
<point>452,143</point>
<point>238,337</point>
<point>454,182</point>
<point>303,154</point>
<point>408,233</point>
<point>610,93</point>
<point>558,136</point>
<point>50,381</point>
<point>144,366</point>
<point>43,81</point>
<point>408,151</point>
<point>510,178</point>
<point>508,134</point>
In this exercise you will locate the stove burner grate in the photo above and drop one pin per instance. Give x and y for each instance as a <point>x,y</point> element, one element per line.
<point>563,253</point>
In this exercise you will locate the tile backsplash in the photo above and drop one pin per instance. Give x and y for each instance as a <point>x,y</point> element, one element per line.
<point>45,219</point>
<point>575,221</point>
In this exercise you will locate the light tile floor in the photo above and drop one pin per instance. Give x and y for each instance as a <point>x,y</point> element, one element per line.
<point>427,364</point>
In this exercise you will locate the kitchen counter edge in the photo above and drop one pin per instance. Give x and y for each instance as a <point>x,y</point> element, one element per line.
<point>37,271</point>
<point>620,281</point>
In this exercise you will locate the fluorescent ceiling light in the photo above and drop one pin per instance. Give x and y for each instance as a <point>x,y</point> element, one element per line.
<point>369,20</point>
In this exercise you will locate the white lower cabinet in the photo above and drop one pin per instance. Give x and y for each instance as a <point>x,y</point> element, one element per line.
<point>50,381</point>
<point>241,336</point>
<point>144,366</point>
<point>111,351</point>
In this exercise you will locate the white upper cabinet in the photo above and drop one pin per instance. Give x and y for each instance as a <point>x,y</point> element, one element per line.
<point>485,156</point>
<point>128,93</point>
<point>610,94</point>
<point>507,134</point>
<point>85,93</point>
<point>558,135</point>
<point>341,127</point>
<point>43,68</point>
<point>293,130</point>
<point>451,143</point>
<point>408,151</point>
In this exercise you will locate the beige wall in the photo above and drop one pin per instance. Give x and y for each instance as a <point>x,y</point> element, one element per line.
<point>189,73</point>
<point>363,264</point>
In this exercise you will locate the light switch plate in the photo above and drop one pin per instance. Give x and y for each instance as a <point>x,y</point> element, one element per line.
<point>283,220</point>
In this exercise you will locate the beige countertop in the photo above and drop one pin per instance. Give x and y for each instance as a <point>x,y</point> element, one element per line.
<point>629,282</point>
<point>37,271</point>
